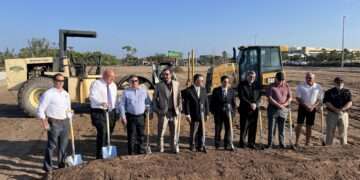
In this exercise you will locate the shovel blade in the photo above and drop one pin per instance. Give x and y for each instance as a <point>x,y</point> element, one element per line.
<point>74,160</point>
<point>148,150</point>
<point>109,152</point>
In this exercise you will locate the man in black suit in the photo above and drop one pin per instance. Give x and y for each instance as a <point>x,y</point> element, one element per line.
<point>196,103</point>
<point>223,101</point>
<point>249,94</point>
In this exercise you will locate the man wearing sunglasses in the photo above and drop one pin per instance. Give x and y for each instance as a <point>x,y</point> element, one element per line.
<point>132,107</point>
<point>54,112</point>
<point>338,102</point>
<point>308,95</point>
<point>102,97</point>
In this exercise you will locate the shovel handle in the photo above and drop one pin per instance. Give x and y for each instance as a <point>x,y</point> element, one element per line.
<point>231,128</point>
<point>107,127</point>
<point>148,127</point>
<point>71,131</point>
<point>260,126</point>
<point>290,124</point>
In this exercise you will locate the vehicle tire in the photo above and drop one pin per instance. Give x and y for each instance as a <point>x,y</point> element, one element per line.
<point>123,83</point>
<point>30,93</point>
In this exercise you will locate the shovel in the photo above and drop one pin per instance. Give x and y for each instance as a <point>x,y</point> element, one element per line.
<point>108,151</point>
<point>260,128</point>
<point>74,159</point>
<point>202,109</point>
<point>291,128</point>
<point>148,148</point>
<point>231,127</point>
<point>177,135</point>
<point>322,138</point>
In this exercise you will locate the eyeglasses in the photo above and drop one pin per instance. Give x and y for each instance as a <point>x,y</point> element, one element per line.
<point>134,81</point>
<point>59,80</point>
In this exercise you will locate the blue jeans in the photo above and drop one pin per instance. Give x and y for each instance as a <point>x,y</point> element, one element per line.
<point>276,118</point>
<point>57,137</point>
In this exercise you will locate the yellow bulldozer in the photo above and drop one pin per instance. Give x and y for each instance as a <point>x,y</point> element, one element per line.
<point>264,60</point>
<point>30,77</point>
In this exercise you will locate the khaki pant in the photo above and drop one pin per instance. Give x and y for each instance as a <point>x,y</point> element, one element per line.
<point>341,121</point>
<point>162,126</point>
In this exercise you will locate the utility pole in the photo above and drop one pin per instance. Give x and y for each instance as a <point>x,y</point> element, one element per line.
<point>342,42</point>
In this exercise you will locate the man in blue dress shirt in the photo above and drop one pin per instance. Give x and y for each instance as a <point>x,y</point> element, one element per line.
<point>132,109</point>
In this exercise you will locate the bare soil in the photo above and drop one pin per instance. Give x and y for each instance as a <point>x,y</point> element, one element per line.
<point>22,141</point>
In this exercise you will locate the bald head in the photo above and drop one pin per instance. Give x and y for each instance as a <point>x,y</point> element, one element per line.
<point>108,76</point>
<point>310,78</point>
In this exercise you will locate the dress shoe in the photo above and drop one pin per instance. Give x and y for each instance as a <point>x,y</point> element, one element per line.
<point>252,146</point>
<point>203,149</point>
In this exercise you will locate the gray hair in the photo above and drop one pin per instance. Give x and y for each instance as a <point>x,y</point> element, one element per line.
<point>250,73</point>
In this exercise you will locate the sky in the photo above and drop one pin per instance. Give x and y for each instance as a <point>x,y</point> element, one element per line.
<point>156,26</point>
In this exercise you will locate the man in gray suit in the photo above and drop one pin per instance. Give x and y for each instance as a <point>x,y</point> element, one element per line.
<point>167,106</point>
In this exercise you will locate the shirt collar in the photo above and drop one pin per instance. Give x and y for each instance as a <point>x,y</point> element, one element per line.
<point>307,85</point>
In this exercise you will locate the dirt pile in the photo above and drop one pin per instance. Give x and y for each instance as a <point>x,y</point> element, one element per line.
<point>308,163</point>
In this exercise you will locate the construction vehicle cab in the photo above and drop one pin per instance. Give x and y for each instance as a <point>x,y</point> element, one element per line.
<point>30,77</point>
<point>264,60</point>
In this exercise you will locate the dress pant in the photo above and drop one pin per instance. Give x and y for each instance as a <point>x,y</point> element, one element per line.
<point>222,119</point>
<point>98,119</point>
<point>276,118</point>
<point>341,121</point>
<point>248,126</point>
<point>57,137</point>
<point>197,137</point>
<point>164,122</point>
<point>135,133</point>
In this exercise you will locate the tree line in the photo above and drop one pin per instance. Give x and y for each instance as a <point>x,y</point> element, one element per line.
<point>41,47</point>
<point>326,57</point>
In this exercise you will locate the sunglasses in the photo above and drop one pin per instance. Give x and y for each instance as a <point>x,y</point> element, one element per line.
<point>58,80</point>
<point>133,81</point>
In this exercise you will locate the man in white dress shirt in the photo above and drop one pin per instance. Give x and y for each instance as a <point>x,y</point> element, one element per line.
<point>308,95</point>
<point>103,94</point>
<point>54,110</point>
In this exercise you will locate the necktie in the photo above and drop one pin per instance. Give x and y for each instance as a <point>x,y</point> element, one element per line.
<point>109,99</point>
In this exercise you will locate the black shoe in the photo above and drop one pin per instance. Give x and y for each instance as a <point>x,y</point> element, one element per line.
<point>230,148</point>
<point>203,149</point>
<point>192,148</point>
<point>252,146</point>
<point>241,145</point>
<point>282,146</point>
<point>269,147</point>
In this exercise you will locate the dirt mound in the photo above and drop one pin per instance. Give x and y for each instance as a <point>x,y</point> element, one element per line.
<point>307,163</point>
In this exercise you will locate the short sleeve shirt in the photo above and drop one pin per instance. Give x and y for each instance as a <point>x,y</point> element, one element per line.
<point>338,98</point>
<point>309,94</point>
<point>279,93</point>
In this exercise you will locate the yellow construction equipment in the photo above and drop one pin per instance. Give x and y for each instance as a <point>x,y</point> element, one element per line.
<point>30,77</point>
<point>264,60</point>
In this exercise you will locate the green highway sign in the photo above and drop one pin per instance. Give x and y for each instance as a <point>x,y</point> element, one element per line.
<point>175,54</point>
